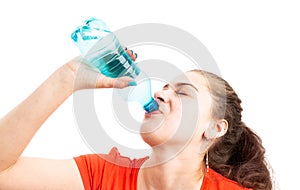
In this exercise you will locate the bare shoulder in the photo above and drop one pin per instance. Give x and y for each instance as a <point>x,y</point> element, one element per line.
<point>40,173</point>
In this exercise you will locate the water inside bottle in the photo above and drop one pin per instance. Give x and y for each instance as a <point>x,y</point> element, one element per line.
<point>102,50</point>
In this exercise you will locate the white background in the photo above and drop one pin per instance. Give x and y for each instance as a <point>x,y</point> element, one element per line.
<point>255,44</point>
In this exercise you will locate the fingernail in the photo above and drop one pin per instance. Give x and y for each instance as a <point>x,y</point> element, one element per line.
<point>132,83</point>
<point>136,55</point>
<point>125,48</point>
<point>131,52</point>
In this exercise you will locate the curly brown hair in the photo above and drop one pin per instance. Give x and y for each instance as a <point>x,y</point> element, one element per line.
<point>238,155</point>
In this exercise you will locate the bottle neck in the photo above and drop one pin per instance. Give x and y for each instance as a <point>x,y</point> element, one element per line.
<point>151,106</point>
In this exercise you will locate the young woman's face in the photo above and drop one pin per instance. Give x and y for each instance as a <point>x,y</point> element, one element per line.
<point>184,112</point>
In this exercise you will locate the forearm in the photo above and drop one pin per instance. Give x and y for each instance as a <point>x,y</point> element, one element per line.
<point>19,126</point>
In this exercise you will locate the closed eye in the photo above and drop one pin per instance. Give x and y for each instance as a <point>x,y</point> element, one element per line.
<point>180,88</point>
<point>180,93</point>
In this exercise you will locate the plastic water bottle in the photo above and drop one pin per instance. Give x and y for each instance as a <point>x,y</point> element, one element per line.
<point>102,50</point>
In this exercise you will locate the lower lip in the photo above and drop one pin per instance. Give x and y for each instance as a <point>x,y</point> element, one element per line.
<point>147,115</point>
<point>155,112</point>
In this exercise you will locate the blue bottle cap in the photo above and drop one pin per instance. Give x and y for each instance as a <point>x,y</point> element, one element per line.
<point>151,106</point>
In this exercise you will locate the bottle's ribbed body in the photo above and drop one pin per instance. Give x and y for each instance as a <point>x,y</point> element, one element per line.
<point>106,54</point>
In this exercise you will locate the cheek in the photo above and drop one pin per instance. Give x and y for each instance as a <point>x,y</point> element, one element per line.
<point>195,117</point>
<point>190,112</point>
<point>175,117</point>
<point>204,109</point>
<point>181,124</point>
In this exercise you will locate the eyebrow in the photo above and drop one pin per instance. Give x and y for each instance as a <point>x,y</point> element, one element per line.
<point>182,84</point>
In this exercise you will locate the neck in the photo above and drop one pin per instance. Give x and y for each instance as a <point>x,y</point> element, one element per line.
<point>182,171</point>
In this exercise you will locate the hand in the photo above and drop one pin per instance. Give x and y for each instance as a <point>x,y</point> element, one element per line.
<point>86,77</point>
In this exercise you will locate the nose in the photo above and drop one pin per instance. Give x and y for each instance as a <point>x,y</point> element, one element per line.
<point>162,96</point>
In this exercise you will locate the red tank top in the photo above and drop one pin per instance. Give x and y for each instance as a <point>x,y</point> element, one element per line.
<point>115,172</point>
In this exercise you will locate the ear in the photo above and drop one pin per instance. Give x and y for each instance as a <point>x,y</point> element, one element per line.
<point>222,127</point>
<point>216,130</point>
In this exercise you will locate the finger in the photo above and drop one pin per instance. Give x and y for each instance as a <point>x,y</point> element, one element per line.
<point>132,54</point>
<point>106,82</point>
<point>123,82</point>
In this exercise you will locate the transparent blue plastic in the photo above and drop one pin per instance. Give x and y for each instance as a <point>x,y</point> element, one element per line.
<point>142,93</point>
<point>102,50</point>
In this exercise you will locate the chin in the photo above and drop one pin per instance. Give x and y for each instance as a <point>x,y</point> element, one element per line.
<point>151,139</point>
<point>157,135</point>
<point>150,131</point>
<point>150,125</point>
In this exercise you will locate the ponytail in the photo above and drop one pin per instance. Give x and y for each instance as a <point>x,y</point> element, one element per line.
<point>241,159</point>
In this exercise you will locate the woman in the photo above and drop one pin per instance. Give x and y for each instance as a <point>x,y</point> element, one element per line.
<point>197,136</point>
